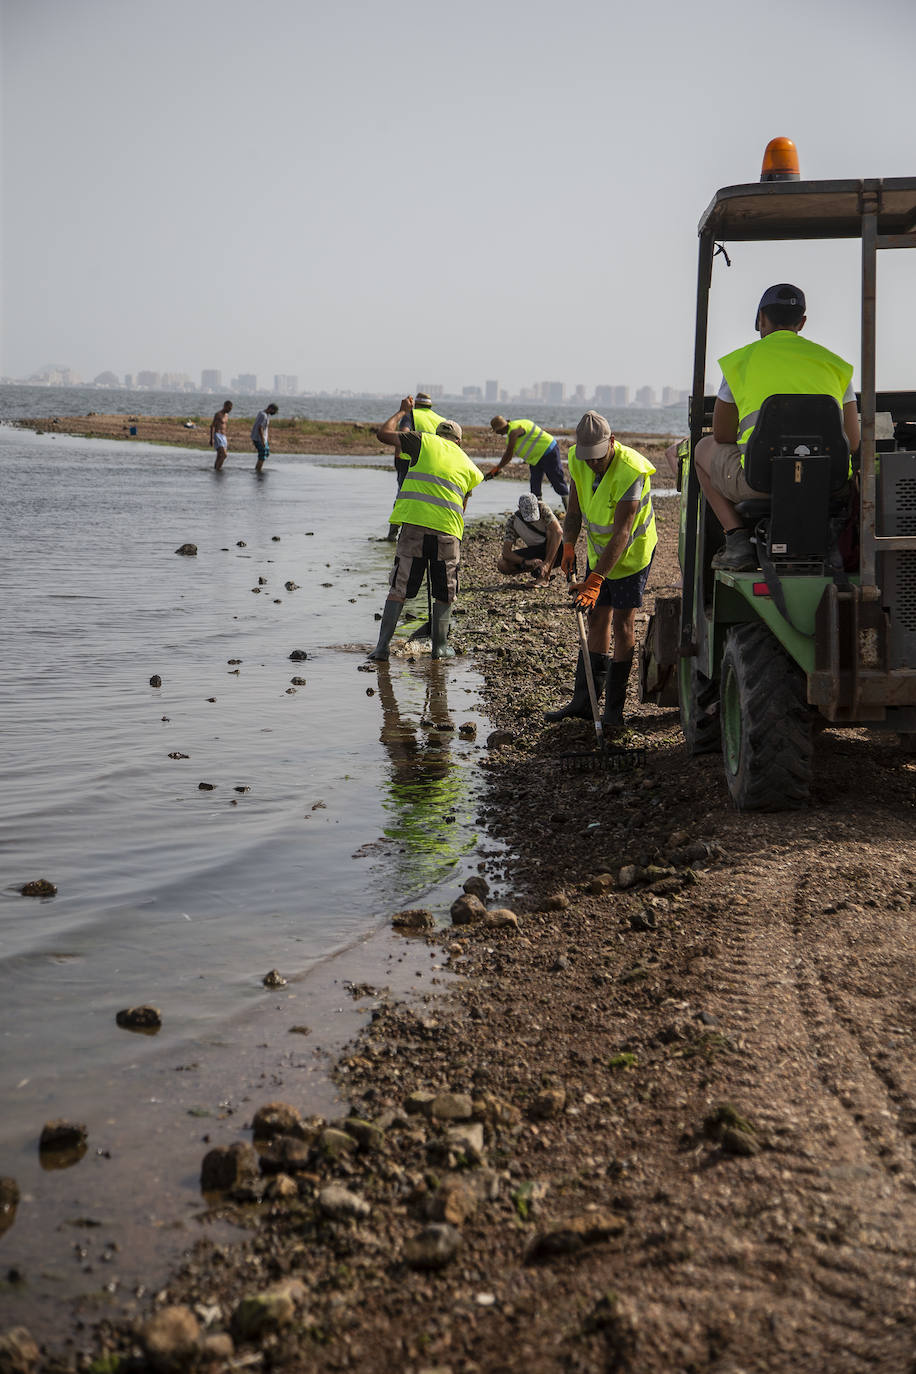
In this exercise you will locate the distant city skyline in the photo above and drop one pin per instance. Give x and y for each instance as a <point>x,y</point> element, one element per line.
<point>211,382</point>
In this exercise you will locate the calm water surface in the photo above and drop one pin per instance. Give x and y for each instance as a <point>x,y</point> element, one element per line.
<point>332,804</point>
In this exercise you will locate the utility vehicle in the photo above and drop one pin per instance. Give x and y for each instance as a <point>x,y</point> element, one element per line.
<point>825,631</point>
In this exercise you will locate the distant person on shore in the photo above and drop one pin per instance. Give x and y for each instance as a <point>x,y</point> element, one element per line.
<point>259,433</point>
<point>526,440</point>
<point>422,419</point>
<point>612,497</point>
<point>430,511</point>
<point>541,534</point>
<point>219,434</point>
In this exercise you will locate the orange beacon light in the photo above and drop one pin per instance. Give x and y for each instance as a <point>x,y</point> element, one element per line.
<point>780,161</point>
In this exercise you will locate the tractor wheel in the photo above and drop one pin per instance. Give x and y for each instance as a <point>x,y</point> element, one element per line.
<point>699,703</point>
<point>766,724</point>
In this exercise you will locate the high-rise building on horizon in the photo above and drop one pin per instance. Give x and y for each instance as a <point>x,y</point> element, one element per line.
<point>620,396</point>
<point>492,390</point>
<point>211,379</point>
<point>148,381</point>
<point>285,385</point>
<point>246,381</point>
<point>645,397</point>
<point>471,393</point>
<point>433,392</point>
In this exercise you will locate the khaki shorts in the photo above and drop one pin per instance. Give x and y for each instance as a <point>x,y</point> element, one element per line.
<point>419,548</point>
<point>727,474</point>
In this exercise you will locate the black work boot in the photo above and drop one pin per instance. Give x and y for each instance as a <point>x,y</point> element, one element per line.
<point>580,707</point>
<point>618,674</point>
<point>387,628</point>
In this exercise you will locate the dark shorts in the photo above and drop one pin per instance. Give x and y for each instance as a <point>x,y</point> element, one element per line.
<point>624,593</point>
<point>551,467</point>
<point>530,553</point>
<point>262,450</point>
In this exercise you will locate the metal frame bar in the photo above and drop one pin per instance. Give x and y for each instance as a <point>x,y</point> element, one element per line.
<point>691,529</point>
<point>867,450</point>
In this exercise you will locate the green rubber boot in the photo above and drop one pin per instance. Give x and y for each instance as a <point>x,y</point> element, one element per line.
<point>442,615</point>
<point>386,630</point>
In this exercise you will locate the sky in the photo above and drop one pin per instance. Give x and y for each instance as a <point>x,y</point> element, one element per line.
<point>376,197</point>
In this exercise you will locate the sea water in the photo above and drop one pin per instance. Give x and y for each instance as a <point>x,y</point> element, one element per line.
<point>326,805</point>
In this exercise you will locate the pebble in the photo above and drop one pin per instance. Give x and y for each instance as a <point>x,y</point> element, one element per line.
<point>170,1337</point>
<point>271,1310</point>
<point>341,1205</point>
<point>334,1144</point>
<point>38,887</point>
<point>19,1353</point>
<point>415,918</point>
<point>498,739</point>
<point>155,680</point>
<point>566,1237</point>
<point>467,1139</point>
<point>206,787</point>
<point>433,1248</point>
<point>298,655</point>
<point>548,1103</point>
<point>144,1018</point>
<point>560,965</point>
<point>228,1166</point>
<point>476,886</point>
<point>187,550</point>
<point>467,910</point>
<point>501,918</point>
<point>274,979</point>
<point>62,1135</point>
<point>468,730</point>
<point>275,1118</point>
<point>451,1107</point>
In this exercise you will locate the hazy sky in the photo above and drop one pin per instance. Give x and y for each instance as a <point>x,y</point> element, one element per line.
<point>374,196</point>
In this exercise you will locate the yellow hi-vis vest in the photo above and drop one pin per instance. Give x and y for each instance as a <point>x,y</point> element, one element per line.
<point>627,468</point>
<point>781,363</point>
<point>533,444</point>
<point>425,420</point>
<point>433,491</point>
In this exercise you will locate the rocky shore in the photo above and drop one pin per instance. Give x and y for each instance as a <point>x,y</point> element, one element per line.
<point>661,1117</point>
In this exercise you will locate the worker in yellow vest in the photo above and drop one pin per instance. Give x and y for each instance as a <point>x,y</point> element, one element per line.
<point>423,419</point>
<point>526,440</point>
<point>611,496</point>
<point>779,362</point>
<point>430,511</point>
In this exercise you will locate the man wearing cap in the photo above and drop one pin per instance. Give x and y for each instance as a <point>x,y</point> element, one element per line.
<point>528,441</point>
<point>779,362</point>
<point>611,496</point>
<point>423,419</point>
<point>430,511</point>
<point>539,530</point>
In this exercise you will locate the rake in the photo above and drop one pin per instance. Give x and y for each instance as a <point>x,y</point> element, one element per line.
<point>606,758</point>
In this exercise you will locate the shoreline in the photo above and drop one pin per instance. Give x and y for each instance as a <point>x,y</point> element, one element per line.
<point>654,1123</point>
<point>296,436</point>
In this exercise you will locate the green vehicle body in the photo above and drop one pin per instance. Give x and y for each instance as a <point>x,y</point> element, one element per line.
<point>757,668</point>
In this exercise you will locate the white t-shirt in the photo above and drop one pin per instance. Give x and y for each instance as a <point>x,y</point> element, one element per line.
<point>262,418</point>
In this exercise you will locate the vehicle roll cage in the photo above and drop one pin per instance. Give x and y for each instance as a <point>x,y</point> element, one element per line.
<point>879,212</point>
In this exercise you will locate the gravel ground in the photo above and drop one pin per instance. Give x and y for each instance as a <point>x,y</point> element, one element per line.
<point>661,1120</point>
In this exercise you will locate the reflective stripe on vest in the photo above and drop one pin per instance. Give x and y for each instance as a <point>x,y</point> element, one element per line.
<point>434,488</point>
<point>598,508</point>
<point>781,363</point>
<point>533,444</point>
<point>425,420</point>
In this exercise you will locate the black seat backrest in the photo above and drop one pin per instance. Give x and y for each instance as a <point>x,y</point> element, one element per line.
<point>796,425</point>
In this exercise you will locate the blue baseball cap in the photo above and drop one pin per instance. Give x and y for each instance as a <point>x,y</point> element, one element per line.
<point>782,294</point>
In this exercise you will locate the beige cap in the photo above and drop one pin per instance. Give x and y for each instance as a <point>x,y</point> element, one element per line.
<point>499,423</point>
<point>422,399</point>
<point>449,429</point>
<point>593,436</point>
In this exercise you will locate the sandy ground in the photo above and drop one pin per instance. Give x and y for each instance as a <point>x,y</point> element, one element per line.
<point>664,1123</point>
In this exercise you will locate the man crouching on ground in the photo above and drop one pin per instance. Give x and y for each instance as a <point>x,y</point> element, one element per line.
<point>430,511</point>
<point>535,524</point>
<point>611,496</point>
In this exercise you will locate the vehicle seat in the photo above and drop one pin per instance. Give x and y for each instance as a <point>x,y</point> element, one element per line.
<point>799,454</point>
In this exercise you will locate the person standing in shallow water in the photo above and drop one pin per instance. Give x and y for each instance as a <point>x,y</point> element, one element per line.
<point>259,431</point>
<point>430,511</point>
<point>219,434</point>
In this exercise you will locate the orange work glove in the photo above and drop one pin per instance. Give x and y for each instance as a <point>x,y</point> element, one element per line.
<point>568,561</point>
<point>586,598</point>
<point>491,473</point>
